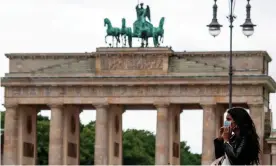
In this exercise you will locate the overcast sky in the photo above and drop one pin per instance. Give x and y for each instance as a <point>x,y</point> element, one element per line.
<point>77,26</point>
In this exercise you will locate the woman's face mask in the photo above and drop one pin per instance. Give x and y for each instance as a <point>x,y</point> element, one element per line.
<point>227,123</point>
<point>231,122</point>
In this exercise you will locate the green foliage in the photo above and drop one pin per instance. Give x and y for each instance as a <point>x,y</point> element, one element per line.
<point>43,127</point>
<point>138,145</point>
<point>87,140</point>
<point>2,119</point>
<point>188,158</point>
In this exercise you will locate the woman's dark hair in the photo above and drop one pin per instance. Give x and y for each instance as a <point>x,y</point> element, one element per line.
<point>247,129</point>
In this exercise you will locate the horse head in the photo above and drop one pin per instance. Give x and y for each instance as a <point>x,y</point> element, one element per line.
<point>161,23</point>
<point>123,22</point>
<point>106,22</point>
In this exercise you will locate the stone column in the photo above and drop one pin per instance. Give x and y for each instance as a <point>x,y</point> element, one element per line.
<point>115,147</point>
<point>220,110</point>
<point>267,131</point>
<point>209,133</point>
<point>11,135</point>
<point>71,136</point>
<point>27,144</point>
<point>257,114</point>
<point>174,134</point>
<point>56,135</point>
<point>273,159</point>
<point>101,135</point>
<point>162,135</point>
<point>266,153</point>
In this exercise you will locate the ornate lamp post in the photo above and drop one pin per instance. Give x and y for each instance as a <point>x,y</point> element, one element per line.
<point>247,27</point>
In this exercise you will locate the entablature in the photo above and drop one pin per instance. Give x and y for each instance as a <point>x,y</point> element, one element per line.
<point>261,80</point>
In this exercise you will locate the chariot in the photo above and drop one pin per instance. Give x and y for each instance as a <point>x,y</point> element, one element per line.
<point>142,29</point>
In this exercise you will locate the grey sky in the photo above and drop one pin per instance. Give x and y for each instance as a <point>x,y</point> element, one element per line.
<point>77,26</point>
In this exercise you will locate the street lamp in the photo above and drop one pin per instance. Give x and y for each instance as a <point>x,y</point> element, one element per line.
<point>247,27</point>
<point>214,26</point>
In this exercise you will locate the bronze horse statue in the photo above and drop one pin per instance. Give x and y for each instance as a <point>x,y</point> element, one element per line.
<point>111,31</point>
<point>126,32</point>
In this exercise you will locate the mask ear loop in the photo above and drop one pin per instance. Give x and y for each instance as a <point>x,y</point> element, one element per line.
<point>234,128</point>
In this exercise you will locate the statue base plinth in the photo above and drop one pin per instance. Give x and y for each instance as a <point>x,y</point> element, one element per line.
<point>135,49</point>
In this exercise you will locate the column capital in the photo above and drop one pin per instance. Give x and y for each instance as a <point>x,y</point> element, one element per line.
<point>10,105</point>
<point>257,105</point>
<point>55,105</point>
<point>208,105</point>
<point>161,104</point>
<point>101,105</point>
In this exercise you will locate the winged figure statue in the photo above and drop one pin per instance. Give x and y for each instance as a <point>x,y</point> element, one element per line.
<point>142,14</point>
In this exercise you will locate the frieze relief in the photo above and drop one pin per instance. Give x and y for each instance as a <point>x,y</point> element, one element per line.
<point>132,62</point>
<point>131,91</point>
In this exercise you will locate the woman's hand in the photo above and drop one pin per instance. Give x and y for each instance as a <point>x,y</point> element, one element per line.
<point>226,134</point>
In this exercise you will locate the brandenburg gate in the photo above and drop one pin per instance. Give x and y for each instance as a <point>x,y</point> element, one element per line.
<point>112,80</point>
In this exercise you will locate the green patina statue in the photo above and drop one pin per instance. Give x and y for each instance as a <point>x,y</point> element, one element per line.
<point>111,31</point>
<point>126,32</point>
<point>142,29</point>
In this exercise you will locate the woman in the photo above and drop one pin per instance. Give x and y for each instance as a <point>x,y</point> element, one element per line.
<point>239,141</point>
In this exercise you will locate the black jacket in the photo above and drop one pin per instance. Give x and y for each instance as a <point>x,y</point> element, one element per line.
<point>235,150</point>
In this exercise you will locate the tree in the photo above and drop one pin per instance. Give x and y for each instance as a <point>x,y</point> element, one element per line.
<point>138,147</point>
<point>43,129</point>
<point>2,119</point>
<point>87,141</point>
<point>188,158</point>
